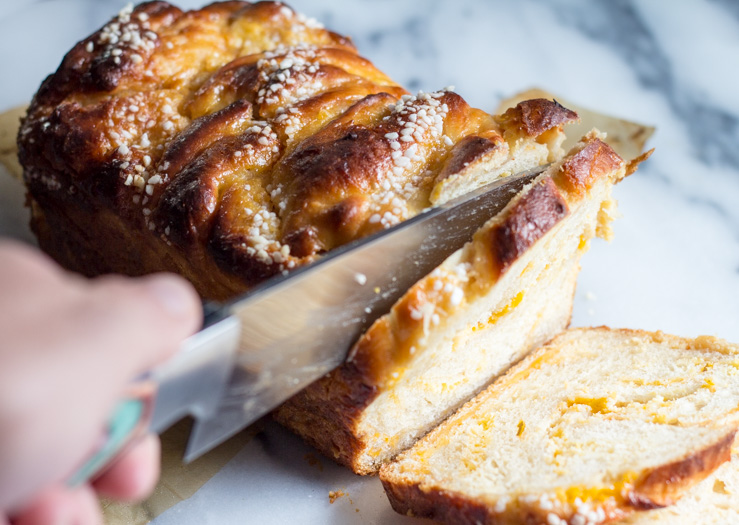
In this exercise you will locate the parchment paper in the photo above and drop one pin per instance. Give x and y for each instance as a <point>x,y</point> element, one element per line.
<point>178,481</point>
<point>9,124</point>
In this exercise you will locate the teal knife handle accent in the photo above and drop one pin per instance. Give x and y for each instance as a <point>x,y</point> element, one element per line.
<point>128,423</point>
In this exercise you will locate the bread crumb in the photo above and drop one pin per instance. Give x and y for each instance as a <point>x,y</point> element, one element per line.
<point>719,487</point>
<point>333,495</point>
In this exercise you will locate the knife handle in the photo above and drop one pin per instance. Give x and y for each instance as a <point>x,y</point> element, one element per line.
<point>129,422</point>
<point>191,382</point>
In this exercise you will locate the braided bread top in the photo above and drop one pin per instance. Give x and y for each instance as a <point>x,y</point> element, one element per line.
<point>249,135</point>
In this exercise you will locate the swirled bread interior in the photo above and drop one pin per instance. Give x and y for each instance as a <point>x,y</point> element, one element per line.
<point>595,425</point>
<point>240,140</point>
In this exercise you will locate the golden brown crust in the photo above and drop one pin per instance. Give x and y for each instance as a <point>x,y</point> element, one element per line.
<point>534,117</point>
<point>241,140</point>
<point>147,124</point>
<point>470,150</point>
<point>584,167</point>
<point>531,217</point>
<point>410,499</point>
<point>633,164</point>
<point>664,485</point>
<point>445,506</point>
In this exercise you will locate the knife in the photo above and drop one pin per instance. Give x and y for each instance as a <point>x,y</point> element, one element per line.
<point>256,351</point>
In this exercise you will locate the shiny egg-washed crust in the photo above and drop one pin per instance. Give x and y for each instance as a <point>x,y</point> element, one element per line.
<point>241,140</point>
<point>654,488</point>
<point>327,413</point>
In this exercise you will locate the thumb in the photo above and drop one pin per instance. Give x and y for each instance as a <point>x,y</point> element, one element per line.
<point>141,321</point>
<point>73,346</point>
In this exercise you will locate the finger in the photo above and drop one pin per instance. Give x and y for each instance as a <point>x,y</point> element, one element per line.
<point>108,329</point>
<point>61,505</point>
<point>27,280</point>
<point>95,337</point>
<point>148,315</point>
<point>133,476</point>
<point>25,256</point>
<point>114,328</point>
<point>143,320</point>
<point>124,326</point>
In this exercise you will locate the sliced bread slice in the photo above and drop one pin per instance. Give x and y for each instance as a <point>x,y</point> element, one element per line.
<point>505,293</point>
<point>589,428</point>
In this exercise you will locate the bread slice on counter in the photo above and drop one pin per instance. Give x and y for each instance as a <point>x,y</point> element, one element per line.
<point>595,425</point>
<point>503,294</point>
<point>713,501</point>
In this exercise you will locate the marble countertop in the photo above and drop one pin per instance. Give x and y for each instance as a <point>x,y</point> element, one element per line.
<point>674,262</point>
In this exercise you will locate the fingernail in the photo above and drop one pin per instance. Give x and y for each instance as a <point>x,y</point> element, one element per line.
<point>171,292</point>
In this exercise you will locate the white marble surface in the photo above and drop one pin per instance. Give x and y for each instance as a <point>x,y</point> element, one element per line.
<point>674,262</point>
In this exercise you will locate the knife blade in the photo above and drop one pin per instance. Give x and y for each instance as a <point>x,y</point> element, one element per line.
<point>295,329</point>
<point>256,351</point>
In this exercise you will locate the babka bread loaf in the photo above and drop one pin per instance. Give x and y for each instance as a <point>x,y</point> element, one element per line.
<point>503,294</point>
<point>596,425</point>
<point>240,140</point>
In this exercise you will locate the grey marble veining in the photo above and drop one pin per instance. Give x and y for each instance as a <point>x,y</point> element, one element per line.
<point>714,131</point>
<point>731,7</point>
<point>674,262</point>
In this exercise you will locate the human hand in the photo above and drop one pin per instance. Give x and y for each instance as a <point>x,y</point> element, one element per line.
<point>69,348</point>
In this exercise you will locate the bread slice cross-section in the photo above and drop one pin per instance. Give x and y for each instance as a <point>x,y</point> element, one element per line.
<point>503,294</point>
<point>595,425</point>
